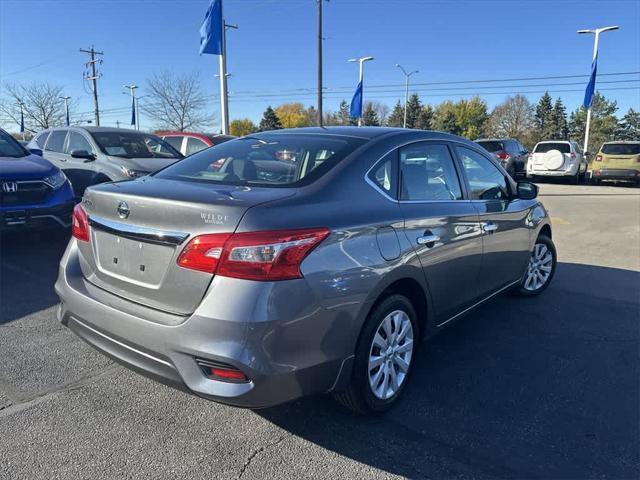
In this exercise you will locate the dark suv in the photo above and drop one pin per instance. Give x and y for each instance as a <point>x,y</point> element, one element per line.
<point>510,152</point>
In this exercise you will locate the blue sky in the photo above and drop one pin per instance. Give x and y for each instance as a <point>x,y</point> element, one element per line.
<point>272,56</point>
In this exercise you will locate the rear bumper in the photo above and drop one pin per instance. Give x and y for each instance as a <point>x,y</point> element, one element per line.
<point>616,174</point>
<point>284,358</point>
<point>570,172</point>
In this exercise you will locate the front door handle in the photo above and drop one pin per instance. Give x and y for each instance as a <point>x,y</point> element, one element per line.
<point>428,239</point>
<point>489,227</point>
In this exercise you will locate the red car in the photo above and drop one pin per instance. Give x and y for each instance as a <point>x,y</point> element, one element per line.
<point>188,142</point>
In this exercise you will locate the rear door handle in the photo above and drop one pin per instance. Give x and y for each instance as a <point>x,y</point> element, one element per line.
<point>428,239</point>
<point>489,227</point>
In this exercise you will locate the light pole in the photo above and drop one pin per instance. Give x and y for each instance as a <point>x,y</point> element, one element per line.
<point>135,115</point>
<point>361,60</point>
<point>406,90</point>
<point>596,33</point>
<point>66,108</point>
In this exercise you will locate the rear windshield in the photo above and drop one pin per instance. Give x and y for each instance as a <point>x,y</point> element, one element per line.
<point>621,149</point>
<point>492,146</point>
<point>546,147</point>
<point>269,160</point>
<point>134,145</point>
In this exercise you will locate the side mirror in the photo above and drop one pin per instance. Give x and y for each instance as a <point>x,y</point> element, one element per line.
<point>527,190</point>
<point>88,157</point>
<point>36,151</point>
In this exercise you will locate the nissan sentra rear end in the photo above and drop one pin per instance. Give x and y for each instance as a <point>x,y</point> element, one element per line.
<point>168,275</point>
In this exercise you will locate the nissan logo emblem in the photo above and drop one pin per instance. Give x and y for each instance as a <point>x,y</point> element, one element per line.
<point>123,210</point>
<point>9,187</point>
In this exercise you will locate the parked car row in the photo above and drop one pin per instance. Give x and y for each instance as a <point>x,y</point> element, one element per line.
<point>617,161</point>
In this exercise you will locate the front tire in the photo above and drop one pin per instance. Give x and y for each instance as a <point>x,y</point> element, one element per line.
<point>384,358</point>
<point>540,269</point>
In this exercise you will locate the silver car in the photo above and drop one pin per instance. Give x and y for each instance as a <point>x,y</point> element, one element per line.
<point>92,155</point>
<point>300,261</point>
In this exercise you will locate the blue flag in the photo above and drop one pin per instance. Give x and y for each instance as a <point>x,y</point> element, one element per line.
<point>591,86</point>
<point>133,111</point>
<point>21,121</point>
<point>67,108</point>
<point>211,30</point>
<point>356,102</point>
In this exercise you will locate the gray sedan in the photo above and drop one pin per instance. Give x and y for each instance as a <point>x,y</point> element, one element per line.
<point>301,261</point>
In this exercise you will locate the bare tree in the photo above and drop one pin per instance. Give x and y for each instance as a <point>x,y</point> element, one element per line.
<point>41,105</point>
<point>512,118</point>
<point>382,111</point>
<point>177,102</point>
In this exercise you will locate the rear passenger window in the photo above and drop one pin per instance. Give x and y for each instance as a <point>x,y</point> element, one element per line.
<point>175,142</point>
<point>77,142</point>
<point>56,141</point>
<point>485,180</point>
<point>194,145</point>
<point>428,173</point>
<point>385,177</point>
<point>42,139</point>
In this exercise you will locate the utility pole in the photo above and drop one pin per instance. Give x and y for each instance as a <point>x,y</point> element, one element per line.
<point>94,78</point>
<point>135,114</point>
<point>406,90</point>
<point>66,109</point>
<point>319,62</point>
<point>596,33</point>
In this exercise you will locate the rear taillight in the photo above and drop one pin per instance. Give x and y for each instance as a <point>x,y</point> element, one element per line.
<point>598,158</point>
<point>80,224</point>
<point>503,156</point>
<point>221,371</point>
<point>203,252</point>
<point>268,255</point>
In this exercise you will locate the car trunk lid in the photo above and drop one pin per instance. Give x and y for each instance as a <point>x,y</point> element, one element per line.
<point>138,229</point>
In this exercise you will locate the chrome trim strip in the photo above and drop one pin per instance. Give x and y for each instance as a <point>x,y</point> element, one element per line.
<point>134,232</point>
<point>507,287</point>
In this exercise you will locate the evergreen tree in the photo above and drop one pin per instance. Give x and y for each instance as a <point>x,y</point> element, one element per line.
<point>603,122</point>
<point>270,120</point>
<point>425,118</point>
<point>559,125</point>
<point>444,118</point>
<point>396,118</point>
<point>414,107</point>
<point>344,115</point>
<point>629,127</point>
<point>543,121</point>
<point>370,116</point>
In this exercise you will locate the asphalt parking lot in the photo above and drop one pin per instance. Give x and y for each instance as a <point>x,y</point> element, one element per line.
<point>521,388</point>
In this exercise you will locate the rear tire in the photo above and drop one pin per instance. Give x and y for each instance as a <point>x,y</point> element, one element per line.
<point>394,351</point>
<point>540,269</point>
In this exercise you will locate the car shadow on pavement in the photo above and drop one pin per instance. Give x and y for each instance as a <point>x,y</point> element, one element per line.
<point>520,388</point>
<point>28,269</point>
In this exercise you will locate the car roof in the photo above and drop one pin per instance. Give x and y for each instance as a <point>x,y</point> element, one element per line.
<point>621,141</point>
<point>493,139</point>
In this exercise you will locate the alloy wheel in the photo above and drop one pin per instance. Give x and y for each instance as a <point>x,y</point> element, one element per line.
<point>390,354</point>
<point>539,269</point>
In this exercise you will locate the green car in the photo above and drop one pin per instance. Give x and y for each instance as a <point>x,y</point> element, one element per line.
<point>618,161</point>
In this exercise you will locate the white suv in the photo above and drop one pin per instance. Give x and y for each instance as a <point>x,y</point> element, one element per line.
<point>557,158</point>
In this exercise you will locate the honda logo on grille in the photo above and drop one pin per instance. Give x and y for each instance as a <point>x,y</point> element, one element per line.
<point>9,187</point>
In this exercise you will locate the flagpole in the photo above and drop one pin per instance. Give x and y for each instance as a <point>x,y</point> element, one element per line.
<point>596,33</point>
<point>224,101</point>
<point>66,109</point>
